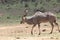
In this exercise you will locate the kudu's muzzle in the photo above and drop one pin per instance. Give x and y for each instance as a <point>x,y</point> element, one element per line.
<point>21,22</point>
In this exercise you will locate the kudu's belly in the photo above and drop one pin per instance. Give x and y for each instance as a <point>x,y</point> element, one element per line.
<point>30,21</point>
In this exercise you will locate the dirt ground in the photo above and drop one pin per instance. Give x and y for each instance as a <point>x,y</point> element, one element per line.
<point>22,32</point>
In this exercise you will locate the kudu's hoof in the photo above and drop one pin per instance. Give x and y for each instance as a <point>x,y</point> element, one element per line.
<point>59,30</point>
<point>39,34</point>
<point>50,33</point>
<point>31,33</point>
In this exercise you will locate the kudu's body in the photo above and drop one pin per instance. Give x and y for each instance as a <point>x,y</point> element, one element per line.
<point>38,18</point>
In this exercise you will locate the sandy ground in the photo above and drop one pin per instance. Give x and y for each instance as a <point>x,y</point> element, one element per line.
<point>22,32</point>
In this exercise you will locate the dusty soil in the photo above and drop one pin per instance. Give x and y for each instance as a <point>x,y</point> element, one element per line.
<point>22,32</point>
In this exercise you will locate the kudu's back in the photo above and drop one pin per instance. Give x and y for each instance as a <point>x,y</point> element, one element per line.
<point>44,17</point>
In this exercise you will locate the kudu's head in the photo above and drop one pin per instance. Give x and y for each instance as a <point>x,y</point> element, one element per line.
<point>24,16</point>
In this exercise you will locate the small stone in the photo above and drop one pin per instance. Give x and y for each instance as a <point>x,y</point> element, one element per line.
<point>52,38</point>
<point>45,25</point>
<point>44,30</point>
<point>17,38</point>
<point>56,38</point>
<point>26,27</point>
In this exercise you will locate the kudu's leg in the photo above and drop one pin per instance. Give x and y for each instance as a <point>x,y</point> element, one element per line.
<point>57,25</point>
<point>52,28</point>
<point>39,28</point>
<point>32,28</point>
